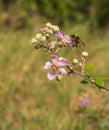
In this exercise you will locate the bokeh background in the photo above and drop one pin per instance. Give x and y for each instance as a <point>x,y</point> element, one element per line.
<point>28,100</point>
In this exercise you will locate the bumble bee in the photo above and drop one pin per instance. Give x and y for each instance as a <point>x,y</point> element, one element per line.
<point>76,41</point>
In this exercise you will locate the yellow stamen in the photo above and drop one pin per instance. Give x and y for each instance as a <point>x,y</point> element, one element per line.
<point>54,67</point>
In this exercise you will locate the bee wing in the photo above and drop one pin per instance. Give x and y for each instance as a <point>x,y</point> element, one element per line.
<point>82,42</point>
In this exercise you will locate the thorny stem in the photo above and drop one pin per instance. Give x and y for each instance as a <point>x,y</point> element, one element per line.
<point>87,78</point>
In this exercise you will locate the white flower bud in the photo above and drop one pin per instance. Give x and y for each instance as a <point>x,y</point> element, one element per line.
<point>38,36</point>
<point>83,58</point>
<point>47,34</point>
<point>80,64</point>
<point>52,26</point>
<point>84,53</point>
<point>48,24</point>
<point>56,28</point>
<point>59,77</point>
<point>51,31</point>
<point>75,61</point>
<point>33,40</point>
<point>43,38</point>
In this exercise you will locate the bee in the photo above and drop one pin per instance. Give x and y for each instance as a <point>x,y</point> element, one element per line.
<point>76,41</point>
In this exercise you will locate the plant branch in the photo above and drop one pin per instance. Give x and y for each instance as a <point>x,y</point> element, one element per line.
<point>87,78</point>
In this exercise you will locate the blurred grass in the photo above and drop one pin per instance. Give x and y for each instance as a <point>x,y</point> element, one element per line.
<point>29,101</point>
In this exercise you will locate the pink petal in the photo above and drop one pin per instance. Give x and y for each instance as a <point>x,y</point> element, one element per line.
<point>62,61</point>
<point>59,34</point>
<point>51,75</point>
<point>54,58</point>
<point>68,40</point>
<point>53,43</point>
<point>70,45</point>
<point>62,71</point>
<point>47,65</point>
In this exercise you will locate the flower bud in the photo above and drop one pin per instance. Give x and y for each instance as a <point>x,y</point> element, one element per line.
<point>37,46</point>
<point>85,53</point>
<point>47,34</point>
<point>83,58</point>
<point>71,67</point>
<point>50,31</point>
<point>48,24</point>
<point>80,64</point>
<point>33,40</point>
<point>59,77</point>
<point>75,61</point>
<point>38,36</point>
<point>43,38</point>
<point>56,28</point>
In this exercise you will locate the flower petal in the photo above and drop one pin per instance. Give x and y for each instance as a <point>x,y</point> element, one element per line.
<point>59,35</point>
<point>51,75</point>
<point>68,40</point>
<point>47,65</point>
<point>70,45</point>
<point>52,44</point>
<point>54,58</point>
<point>62,61</point>
<point>62,71</point>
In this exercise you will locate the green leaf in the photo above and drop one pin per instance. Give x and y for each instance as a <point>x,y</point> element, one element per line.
<point>105,78</point>
<point>100,81</point>
<point>84,81</point>
<point>89,69</point>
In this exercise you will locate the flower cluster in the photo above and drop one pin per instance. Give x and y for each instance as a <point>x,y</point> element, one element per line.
<point>44,40</point>
<point>52,40</point>
<point>57,65</point>
<point>45,32</point>
<point>38,38</point>
<point>49,29</point>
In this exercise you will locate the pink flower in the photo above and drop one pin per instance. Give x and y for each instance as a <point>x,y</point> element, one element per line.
<point>85,102</point>
<point>56,67</point>
<point>65,38</point>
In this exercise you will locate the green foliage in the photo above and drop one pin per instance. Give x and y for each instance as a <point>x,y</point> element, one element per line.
<point>62,12</point>
<point>89,71</point>
<point>100,80</point>
<point>28,5</point>
<point>102,12</point>
<point>16,14</point>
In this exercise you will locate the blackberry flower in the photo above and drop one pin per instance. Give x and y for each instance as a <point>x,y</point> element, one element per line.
<point>56,67</point>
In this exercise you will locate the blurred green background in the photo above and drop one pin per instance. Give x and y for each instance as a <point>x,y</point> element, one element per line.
<point>28,101</point>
